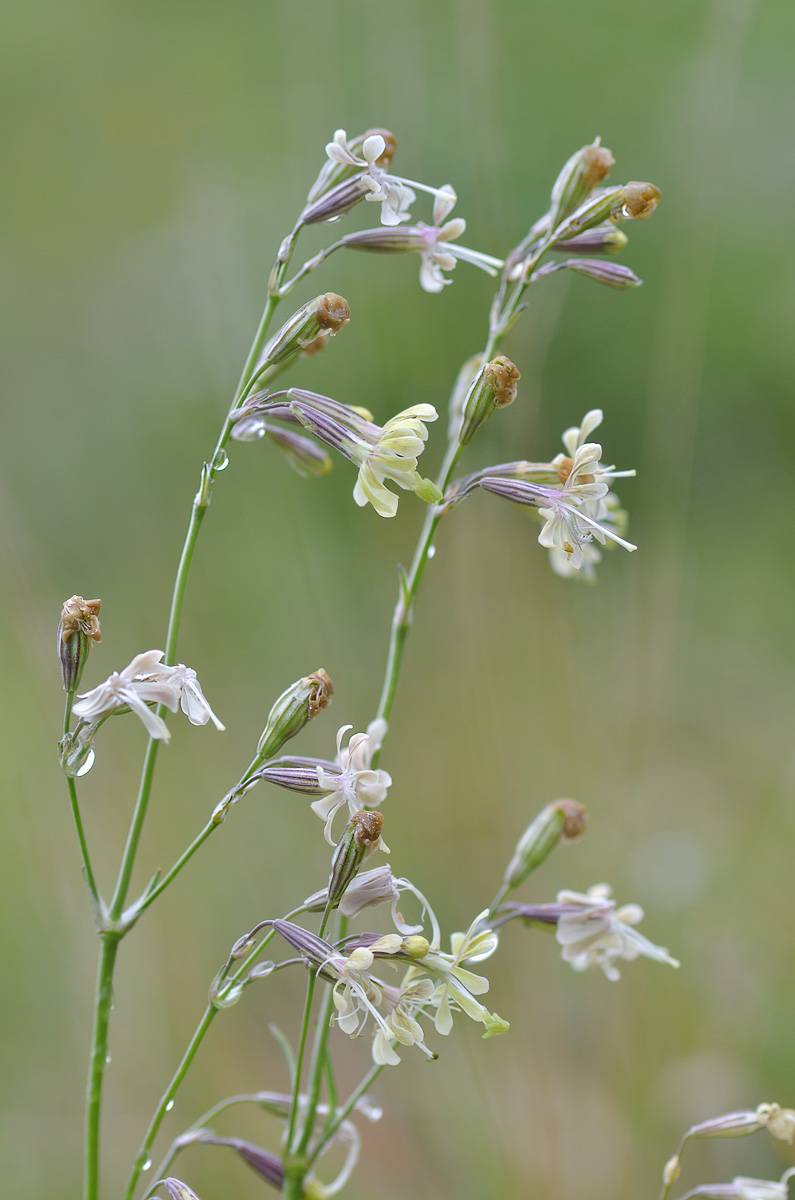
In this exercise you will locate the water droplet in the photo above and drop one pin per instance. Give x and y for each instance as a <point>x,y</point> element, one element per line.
<point>88,764</point>
<point>107,1060</point>
<point>431,551</point>
<point>221,461</point>
<point>147,1165</point>
<point>169,1106</point>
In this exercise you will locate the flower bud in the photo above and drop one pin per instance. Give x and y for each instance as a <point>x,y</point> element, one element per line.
<point>494,387</point>
<point>671,1171</point>
<point>77,628</point>
<point>605,238</point>
<point>613,274</point>
<point>561,819</point>
<point>360,838</point>
<point>584,170</point>
<point>733,1124</point>
<point>303,455</point>
<point>299,704</point>
<point>178,1190</point>
<point>640,200</point>
<point>324,316</point>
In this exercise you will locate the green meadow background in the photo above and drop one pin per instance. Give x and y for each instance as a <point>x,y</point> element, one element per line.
<point>155,154</point>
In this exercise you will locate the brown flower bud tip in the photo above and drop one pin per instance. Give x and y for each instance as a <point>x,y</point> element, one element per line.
<point>503,377</point>
<point>79,615</point>
<point>596,163</point>
<point>574,818</point>
<point>332,312</point>
<point>368,828</point>
<point>320,696</point>
<point>640,200</point>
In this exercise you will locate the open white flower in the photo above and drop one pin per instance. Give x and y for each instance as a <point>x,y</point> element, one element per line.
<point>381,453</point>
<point>394,457</point>
<point>356,783</point>
<point>132,687</point>
<point>392,193</point>
<point>457,986</point>
<point>434,243</point>
<point>192,699</point>
<point>593,933</point>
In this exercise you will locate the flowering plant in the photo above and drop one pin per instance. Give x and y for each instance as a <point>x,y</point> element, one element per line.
<point>399,986</point>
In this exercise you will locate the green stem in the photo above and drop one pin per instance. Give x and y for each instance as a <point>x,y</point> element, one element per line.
<point>299,1063</point>
<point>187,1058</point>
<point>143,904</point>
<point>99,1052</point>
<point>341,1114</point>
<point>88,870</point>
<point>404,609</point>
<point>319,1052</point>
<point>144,1157</point>
<point>108,955</point>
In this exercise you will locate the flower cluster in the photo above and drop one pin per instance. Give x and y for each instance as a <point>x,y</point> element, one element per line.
<point>435,985</point>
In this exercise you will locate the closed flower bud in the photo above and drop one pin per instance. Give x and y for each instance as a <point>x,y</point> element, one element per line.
<point>178,1190</point>
<point>603,238</point>
<point>734,1124</point>
<point>493,387</point>
<point>321,317</point>
<point>299,704</point>
<point>613,274</point>
<point>561,819</point>
<point>361,837</point>
<point>640,200</point>
<point>77,629</point>
<point>584,170</point>
<point>303,455</point>
<point>671,1171</point>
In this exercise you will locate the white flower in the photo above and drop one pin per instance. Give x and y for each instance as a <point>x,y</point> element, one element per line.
<point>401,1007</point>
<point>380,452</point>
<point>392,193</point>
<point>192,699</point>
<point>438,254</point>
<point>356,784</point>
<point>458,986</point>
<point>568,536</point>
<point>132,688</point>
<point>393,456</point>
<point>593,933</point>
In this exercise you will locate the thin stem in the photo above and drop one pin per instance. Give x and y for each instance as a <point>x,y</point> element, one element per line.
<point>341,1114</point>
<point>198,1036</point>
<point>402,618</point>
<point>99,1052</point>
<point>185,857</point>
<point>299,1061</point>
<point>143,1158</point>
<point>319,1053</point>
<point>88,870</point>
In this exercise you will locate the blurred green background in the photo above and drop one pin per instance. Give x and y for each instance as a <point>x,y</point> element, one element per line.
<point>155,154</point>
